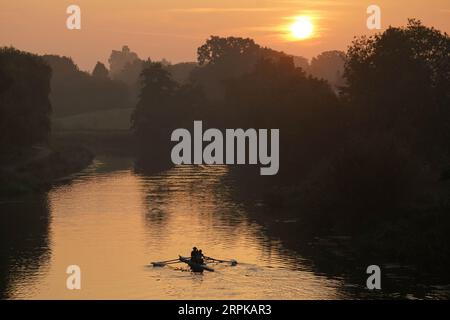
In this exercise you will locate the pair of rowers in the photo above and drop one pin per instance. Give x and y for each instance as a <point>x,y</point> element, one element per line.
<point>197,256</point>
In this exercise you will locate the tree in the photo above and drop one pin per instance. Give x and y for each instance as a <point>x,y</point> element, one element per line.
<point>24,99</point>
<point>218,49</point>
<point>74,91</point>
<point>119,59</point>
<point>302,62</point>
<point>329,65</point>
<point>276,94</point>
<point>163,106</point>
<point>100,71</point>
<point>399,81</point>
<point>181,71</point>
<point>220,59</point>
<point>129,75</point>
<point>126,66</point>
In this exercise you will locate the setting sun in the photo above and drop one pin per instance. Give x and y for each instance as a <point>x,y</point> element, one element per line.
<point>302,28</point>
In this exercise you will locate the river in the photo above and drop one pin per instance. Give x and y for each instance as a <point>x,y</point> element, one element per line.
<point>112,222</point>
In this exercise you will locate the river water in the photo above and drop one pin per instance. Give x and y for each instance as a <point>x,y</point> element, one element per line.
<point>112,222</point>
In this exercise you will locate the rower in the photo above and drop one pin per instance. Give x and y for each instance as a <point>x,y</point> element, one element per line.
<point>194,254</point>
<point>200,257</point>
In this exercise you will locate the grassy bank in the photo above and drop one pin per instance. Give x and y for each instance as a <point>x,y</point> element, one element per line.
<point>116,142</point>
<point>104,120</point>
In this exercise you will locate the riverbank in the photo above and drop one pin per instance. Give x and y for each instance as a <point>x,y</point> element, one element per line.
<point>414,236</point>
<point>24,171</point>
<point>110,142</point>
<point>35,169</point>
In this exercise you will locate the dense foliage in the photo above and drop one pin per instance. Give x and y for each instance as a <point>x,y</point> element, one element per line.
<point>24,99</point>
<point>75,92</point>
<point>163,106</point>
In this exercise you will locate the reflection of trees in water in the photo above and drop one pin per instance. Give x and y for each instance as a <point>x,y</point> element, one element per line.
<point>201,193</point>
<point>24,241</point>
<point>156,215</point>
<point>338,257</point>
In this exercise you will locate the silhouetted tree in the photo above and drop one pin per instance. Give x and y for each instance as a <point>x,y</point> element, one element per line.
<point>396,109</point>
<point>119,59</point>
<point>130,76</point>
<point>329,65</point>
<point>74,91</point>
<point>181,71</point>
<point>5,81</point>
<point>276,94</point>
<point>225,58</point>
<point>301,62</point>
<point>217,49</point>
<point>100,71</point>
<point>163,106</point>
<point>399,81</point>
<point>24,98</point>
<point>128,67</point>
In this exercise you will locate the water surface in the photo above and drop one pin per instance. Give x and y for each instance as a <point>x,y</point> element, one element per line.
<point>112,222</point>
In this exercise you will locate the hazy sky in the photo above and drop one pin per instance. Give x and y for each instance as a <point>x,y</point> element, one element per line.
<point>173,29</point>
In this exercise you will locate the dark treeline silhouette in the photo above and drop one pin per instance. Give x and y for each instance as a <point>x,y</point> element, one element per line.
<point>100,71</point>
<point>24,99</point>
<point>75,91</point>
<point>126,66</point>
<point>28,163</point>
<point>364,145</point>
<point>220,59</point>
<point>276,94</point>
<point>329,65</point>
<point>239,84</point>
<point>396,108</point>
<point>163,106</point>
<point>408,96</point>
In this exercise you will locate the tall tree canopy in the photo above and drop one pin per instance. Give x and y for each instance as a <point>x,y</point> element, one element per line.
<point>163,106</point>
<point>224,58</point>
<point>119,59</point>
<point>100,71</point>
<point>399,81</point>
<point>217,49</point>
<point>24,98</point>
<point>75,92</point>
<point>276,94</point>
<point>329,65</point>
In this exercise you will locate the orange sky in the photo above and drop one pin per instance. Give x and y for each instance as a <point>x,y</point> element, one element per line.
<point>173,29</point>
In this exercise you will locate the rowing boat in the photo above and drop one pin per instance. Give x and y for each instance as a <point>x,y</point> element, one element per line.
<point>196,267</point>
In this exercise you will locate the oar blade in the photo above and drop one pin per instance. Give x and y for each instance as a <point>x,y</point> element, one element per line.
<point>158,264</point>
<point>163,263</point>
<point>232,262</point>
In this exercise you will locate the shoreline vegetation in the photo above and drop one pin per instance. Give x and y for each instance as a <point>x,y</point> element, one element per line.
<point>410,236</point>
<point>35,170</point>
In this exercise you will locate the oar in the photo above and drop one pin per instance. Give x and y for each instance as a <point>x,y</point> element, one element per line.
<point>163,263</point>
<point>233,262</point>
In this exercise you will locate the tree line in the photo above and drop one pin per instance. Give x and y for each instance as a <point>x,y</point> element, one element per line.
<point>372,117</point>
<point>24,99</point>
<point>356,152</point>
